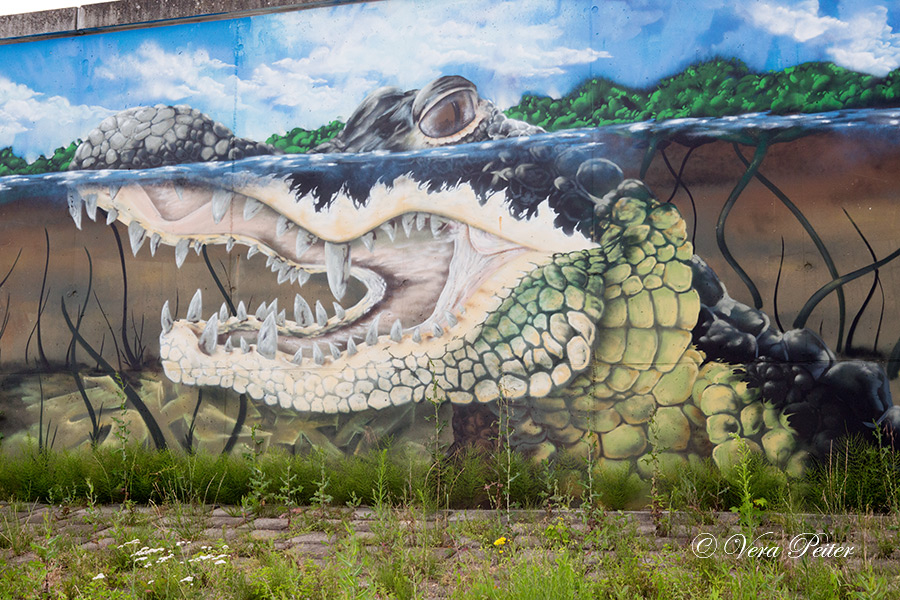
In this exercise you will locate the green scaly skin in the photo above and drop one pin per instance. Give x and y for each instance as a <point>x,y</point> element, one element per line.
<point>646,394</point>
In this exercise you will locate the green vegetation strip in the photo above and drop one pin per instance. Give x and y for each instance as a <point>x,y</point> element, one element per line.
<point>863,478</point>
<point>716,88</point>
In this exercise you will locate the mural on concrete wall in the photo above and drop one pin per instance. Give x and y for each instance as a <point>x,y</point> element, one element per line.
<point>485,210</point>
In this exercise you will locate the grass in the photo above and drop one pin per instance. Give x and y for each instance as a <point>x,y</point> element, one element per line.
<point>859,477</point>
<point>575,545</point>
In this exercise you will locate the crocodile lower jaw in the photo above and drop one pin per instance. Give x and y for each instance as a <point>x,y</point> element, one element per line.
<point>386,370</point>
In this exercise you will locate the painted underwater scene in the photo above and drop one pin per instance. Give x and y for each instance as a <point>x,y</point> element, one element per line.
<point>783,236</point>
<point>536,234</point>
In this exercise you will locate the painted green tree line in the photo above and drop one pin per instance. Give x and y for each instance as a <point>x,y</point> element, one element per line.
<point>715,88</point>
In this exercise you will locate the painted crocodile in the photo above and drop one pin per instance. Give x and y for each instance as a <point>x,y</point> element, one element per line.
<point>524,277</point>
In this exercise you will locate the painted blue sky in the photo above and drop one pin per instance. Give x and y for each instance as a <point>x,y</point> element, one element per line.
<point>269,73</point>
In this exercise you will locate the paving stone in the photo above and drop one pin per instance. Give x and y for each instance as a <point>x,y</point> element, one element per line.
<point>264,534</point>
<point>274,524</point>
<point>36,518</point>
<point>308,550</point>
<point>315,537</point>
<point>214,534</point>
<point>220,521</point>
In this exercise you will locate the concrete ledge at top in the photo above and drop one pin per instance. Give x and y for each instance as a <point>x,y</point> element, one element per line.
<point>131,13</point>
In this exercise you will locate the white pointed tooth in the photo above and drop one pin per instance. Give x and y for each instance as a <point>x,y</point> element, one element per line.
<point>416,335</point>
<point>181,250</point>
<point>74,202</point>
<point>339,311</point>
<point>298,356</point>
<point>281,318</point>
<point>273,307</point>
<point>397,331</point>
<point>179,191</point>
<point>372,333</point>
<point>368,241</point>
<point>245,347</point>
<point>251,251</point>
<point>269,261</point>
<point>267,342</point>
<point>229,245</point>
<point>210,335</point>
<point>261,311</point>
<point>302,276</point>
<point>229,344</point>
<point>166,318</point>
<point>335,352</point>
<point>113,192</point>
<point>351,346</point>
<point>111,216</point>
<point>437,330</point>
<point>451,318</point>
<point>283,225</point>
<point>155,239</point>
<point>436,224</point>
<point>293,275</point>
<point>198,246</point>
<point>321,315</point>
<point>90,206</point>
<point>318,357</point>
<point>421,221</point>
<point>251,208</point>
<point>136,236</point>
<point>284,273</point>
<point>302,313</point>
<point>337,265</point>
<point>389,229</point>
<point>223,312</point>
<point>221,200</point>
<point>195,308</point>
<point>304,240</point>
<point>242,311</point>
<point>407,221</point>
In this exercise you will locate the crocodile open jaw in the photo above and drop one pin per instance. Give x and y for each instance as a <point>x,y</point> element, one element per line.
<point>334,352</point>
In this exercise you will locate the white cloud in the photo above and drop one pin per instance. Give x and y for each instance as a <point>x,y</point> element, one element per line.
<point>873,48</point>
<point>862,42</point>
<point>35,124</point>
<point>801,22</point>
<point>344,50</point>
<point>154,72</point>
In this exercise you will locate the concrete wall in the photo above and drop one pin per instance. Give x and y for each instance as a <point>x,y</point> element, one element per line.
<point>110,16</point>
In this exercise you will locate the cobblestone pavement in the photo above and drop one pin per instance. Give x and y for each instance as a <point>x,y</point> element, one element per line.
<point>312,531</point>
<point>463,536</point>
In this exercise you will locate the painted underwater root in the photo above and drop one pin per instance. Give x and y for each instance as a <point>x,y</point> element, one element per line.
<point>436,245</point>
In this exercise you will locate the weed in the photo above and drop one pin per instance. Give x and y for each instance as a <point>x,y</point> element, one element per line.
<point>321,498</point>
<point>750,509</point>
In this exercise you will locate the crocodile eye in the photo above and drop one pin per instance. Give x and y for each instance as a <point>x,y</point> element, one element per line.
<point>449,115</point>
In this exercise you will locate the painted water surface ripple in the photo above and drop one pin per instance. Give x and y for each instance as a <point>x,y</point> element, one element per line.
<point>740,128</point>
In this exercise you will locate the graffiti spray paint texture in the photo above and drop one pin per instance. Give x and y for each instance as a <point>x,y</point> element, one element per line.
<point>465,208</point>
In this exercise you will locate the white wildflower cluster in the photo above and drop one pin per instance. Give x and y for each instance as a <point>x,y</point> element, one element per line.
<point>148,556</point>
